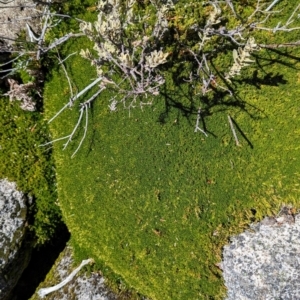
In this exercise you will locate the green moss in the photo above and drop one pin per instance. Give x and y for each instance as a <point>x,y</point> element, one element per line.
<point>146,196</point>
<point>30,166</point>
<point>154,201</point>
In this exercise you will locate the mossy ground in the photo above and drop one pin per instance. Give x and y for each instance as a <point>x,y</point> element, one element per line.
<point>30,166</point>
<point>154,202</point>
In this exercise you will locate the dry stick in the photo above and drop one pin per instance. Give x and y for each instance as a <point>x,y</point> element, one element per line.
<point>197,123</point>
<point>7,70</point>
<point>66,73</point>
<point>70,136</point>
<point>41,38</point>
<point>31,34</point>
<point>56,140</point>
<point>229,3</point>
<point>271,5</point>
<point>7,1</point>
<point>89,101</point>
<point>283,27</point>
<point>10,39</point>
<point>59,112</point>
<point>70,103</point>
<point>84,107</point>
<point>45,291</point>
<point>277,28</point>
<point>74,129</point>
<point>86,89</point>
<point>68,57</point>
<point>66,16</point>
<point>274,46</point>
<point>62,40</point>
<point>20,19</point>
<point>233,131</point>
<point>85,130</point>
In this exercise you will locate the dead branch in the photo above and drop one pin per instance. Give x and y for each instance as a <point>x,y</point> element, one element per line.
<point>197,128</point>
<point>62,40</point>
<point>233,131</point>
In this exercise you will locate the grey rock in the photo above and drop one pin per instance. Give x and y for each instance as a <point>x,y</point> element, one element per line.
<point>14,250</point>
<point>15,15</point>
<point>84,286</point>
<point>264,262</point>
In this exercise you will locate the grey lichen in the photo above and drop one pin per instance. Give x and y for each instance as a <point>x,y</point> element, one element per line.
<point>242,58</point>
<point>14,253</point>
<point>264,262</point>
<point>83,286</point>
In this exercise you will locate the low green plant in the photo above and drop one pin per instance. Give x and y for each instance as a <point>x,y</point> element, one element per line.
<point>31,167</point>
<point>136,45</point>
<point>147,197</point>
<point>153,201</point>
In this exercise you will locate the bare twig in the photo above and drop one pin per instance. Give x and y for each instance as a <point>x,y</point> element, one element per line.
<point>74,53</point>
<point>72,99</point>
<point>279,27</point>
<point>66,73</point>
<point>197,128</point>
<point>71,135</point>
<point>59,112</point>
<point>97,80</point>
<point>45,27</point>
<point>233,131</point>
<point>45,291</point>
<point>271,5</point>
<point>62,40</point>
<point>85,107</point>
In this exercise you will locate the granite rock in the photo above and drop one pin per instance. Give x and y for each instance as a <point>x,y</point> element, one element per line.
<point>264,262</point>
<point>14,249</point>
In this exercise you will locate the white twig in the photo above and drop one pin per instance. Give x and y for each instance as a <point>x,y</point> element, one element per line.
<point>271,5</point>
<point>85,89</point>
<point>12,60</point>
<point>280,27</point>
<point>84,107</point>
<point>56,140</point>
<point>197,123</point>
<point>75,128</point>
<point>229,3</point>
<point>67,57</point>
<point>90,100</point>
<point>66,73</point>
<point>41,38</point>
<point>7,70</point>
<point>17,6</point>
<point>59,112</point>
<point>233,131</point>
<point>62,40</point>
<point>66,16</point>
<point>45,291</point>
<point>85,130</point>
<point>31,34</point>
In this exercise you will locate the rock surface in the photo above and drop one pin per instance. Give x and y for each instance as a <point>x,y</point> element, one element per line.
<point>264,262</point>
<point>14,15</point>
<point>14,250</point>
<point>84,286</point>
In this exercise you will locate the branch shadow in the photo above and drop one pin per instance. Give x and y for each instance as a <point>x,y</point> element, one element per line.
<point>283,57</point>
<point>216,102</point>
<point>220,100</point>
<point>241,132</point>
<point>269,79</point>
